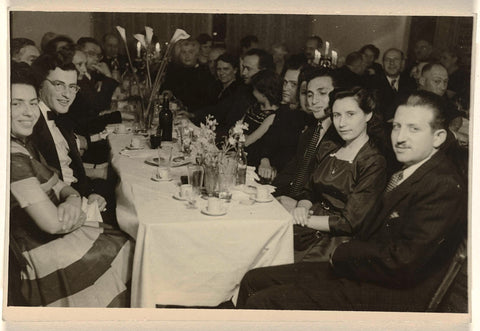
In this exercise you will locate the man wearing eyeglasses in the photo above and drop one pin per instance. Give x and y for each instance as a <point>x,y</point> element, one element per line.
<point>390,82</point>
<point>52,135</point>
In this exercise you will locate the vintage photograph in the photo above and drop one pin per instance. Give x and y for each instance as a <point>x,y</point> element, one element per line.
<point>229,161</point>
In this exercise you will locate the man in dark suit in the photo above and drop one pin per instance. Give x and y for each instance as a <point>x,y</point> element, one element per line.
<point>54,139</point>
<point>291,180</point>
<point>353,72</point>
<point>396,264</point>
<point>390,83</point>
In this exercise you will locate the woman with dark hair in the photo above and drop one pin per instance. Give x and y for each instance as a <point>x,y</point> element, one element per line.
<point>60,256</point>
<point>273,132</point>
<point>227,73</point>
<point>348,179</point>
<point>56,43</point>
<point>370,55</point>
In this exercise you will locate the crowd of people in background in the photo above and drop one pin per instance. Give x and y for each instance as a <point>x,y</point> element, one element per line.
<point>331,140</point>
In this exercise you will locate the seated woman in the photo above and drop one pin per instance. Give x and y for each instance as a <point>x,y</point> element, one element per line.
<point>64,261</point>
<point>347,180</point>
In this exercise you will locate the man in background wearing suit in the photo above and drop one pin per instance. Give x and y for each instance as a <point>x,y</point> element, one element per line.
<point>56,141</point>
<point>414,236</point>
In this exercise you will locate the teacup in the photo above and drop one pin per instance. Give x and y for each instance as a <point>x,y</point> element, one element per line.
<point>215,205</point>
<point>162,173</point>
<point>136,142</point>
<point>262,193</point>
<point>186,190</point>
<point>121,128</point>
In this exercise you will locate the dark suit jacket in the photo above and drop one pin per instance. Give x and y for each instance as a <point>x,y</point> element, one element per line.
<point>43,142</point>
<point>387,96</point>
<point>415,233</point>
<point>284,179</point>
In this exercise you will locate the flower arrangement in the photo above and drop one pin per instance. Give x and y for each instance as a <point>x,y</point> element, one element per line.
<point>151,51</point>
<point>204,146</point>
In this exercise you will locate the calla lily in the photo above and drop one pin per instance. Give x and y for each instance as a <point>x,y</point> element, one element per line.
<point>122,33</point>
<point>149,34</point>
<point>141,39</point>
<point>178,35</point>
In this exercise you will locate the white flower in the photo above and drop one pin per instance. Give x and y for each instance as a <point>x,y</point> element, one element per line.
<point>122,33</point>
<point>178,35</point>
<point>231,140</point>
<point>149,34</point>
<point>141,39</point>
<point>241,138</point>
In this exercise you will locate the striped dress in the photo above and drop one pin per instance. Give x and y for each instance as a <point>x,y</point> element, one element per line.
<point>88,267</point>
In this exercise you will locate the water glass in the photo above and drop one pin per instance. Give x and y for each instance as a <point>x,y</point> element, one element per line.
<point>195,177</point>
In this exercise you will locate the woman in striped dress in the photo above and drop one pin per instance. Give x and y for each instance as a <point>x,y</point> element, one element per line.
<point>64,261</point>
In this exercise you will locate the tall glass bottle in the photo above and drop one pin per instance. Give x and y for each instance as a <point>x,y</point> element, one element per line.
<point>241,164</point>
<point>165,121</point>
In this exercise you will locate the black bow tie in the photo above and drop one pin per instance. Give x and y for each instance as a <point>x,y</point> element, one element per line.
<point>52,116</point>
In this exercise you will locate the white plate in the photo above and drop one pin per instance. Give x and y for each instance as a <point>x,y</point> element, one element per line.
<point>155,179</point>
<point>135,148</point>
<point>178,197</point>
<point>269,199</point>
<point>206,212</point>
<point>176,161</point>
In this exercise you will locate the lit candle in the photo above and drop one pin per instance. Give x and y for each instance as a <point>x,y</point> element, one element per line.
<point>327,46</point>
<point>317,58</point>
<point>334,58</point>
<point>139,47</point>
<point>157,48</point>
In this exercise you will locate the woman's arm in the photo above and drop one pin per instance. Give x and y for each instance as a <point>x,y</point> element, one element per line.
<point>262,129</point>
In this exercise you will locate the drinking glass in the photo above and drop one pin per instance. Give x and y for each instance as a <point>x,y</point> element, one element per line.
<point>195,177</point>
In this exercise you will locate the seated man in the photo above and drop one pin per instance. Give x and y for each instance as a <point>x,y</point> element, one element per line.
<point>55,140</point>
<point>396,264</point>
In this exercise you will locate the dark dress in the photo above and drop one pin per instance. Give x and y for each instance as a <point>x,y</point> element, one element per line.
<point>345,191</point>
<point>88,267</point>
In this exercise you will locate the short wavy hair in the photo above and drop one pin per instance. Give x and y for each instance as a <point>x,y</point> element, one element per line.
<point>269,84</point>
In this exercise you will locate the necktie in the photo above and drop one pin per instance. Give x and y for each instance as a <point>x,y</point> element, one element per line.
<point>302,175</point>
<point>396,177</point>
<point>394,87</point>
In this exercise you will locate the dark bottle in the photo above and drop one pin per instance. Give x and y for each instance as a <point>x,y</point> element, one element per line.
<point>241,164</point>
<point>165,121</point>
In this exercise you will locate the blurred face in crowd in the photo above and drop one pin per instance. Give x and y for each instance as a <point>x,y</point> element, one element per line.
<point>310,46</point>
<point>188,55</point>
<point>413,138</point>
<point>80,62</point>
<point>111,46</point>
<point>25,111</point>
<point>94,55</point>
<point>317,96</point>
<point>27,54</point>
<point>358,67</point>
<point>368,57</point>
<point>58,90</point>
<point>225,72</point>
<point>261,98</point>
<point>435,80</point>
<point>416,72</point>
<point>250,67</point>
<point>422,50</point>
<point>278,54</point>
<point>290,84</point>
<point>205,49</point>
<point>212,57</point>
<point>449,61</point>
<point>302,98</point>
<point>349,119</point>
<point>393,63</point>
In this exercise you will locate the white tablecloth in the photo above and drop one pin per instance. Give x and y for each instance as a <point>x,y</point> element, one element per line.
<point>183,257</point>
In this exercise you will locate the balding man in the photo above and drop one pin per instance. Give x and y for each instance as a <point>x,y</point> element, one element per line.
<point>390,82</point>
<point>353,72</point>
<point>23,50</point>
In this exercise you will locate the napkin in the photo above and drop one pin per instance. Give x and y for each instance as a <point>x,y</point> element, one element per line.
<point>91,210</point>
<point>251,174</point>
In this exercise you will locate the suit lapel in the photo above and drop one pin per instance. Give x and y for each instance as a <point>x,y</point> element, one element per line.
<point>44,143</point>
<point>392,199</point>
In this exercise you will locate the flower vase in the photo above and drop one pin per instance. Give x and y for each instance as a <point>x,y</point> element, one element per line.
<point>211,178</point>
<point>227,175</point>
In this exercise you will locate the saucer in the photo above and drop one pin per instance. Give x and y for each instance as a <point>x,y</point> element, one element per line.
<point>221,213</point>
<point>134,148</point>
<point>155,179</point>
<point>176,162</point>
<point>269,199</point>
<point>176,196</point>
